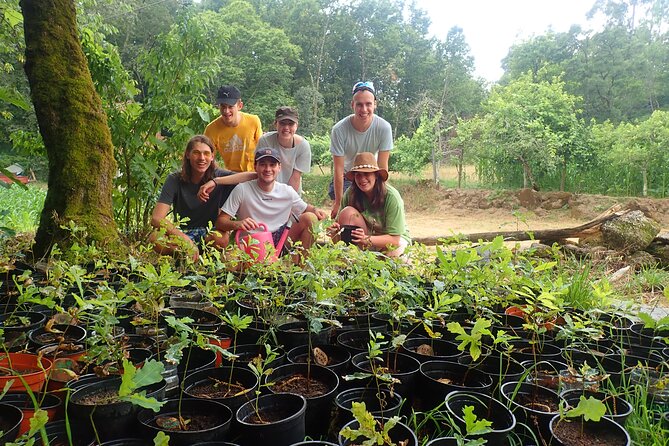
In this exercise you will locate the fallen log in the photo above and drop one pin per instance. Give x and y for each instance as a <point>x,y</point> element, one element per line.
<point>544,234</point>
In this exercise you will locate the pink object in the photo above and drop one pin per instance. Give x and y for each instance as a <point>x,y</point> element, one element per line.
<point>257,244</point>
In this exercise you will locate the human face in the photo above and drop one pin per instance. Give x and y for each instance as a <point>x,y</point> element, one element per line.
<point>200,158</point>
<point>286,129</point>
<point>363,105</point>
<point>267,170</point>
<point>230,113</point>
<point>365,181</point>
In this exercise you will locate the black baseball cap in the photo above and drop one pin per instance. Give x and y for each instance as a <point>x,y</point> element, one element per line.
<point>267,152</point>
<point>228,94</point>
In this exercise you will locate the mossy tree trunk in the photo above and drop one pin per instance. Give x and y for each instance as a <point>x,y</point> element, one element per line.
<point>73,126</point>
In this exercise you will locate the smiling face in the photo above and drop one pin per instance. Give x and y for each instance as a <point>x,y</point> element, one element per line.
<point>267,169</point>
<point>286,129</point>
<point>200,158</point>
<point>365,181</point>
<point>230,113</point>
<point>363,105</point>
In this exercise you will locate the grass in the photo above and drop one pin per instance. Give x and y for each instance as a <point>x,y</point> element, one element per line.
<point>20,208</point>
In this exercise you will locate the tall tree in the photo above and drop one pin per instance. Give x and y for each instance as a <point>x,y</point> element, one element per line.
<point>73,126</point>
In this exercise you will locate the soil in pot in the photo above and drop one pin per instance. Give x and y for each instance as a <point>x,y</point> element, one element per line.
<point>333,357</point>
<point>589,433</point>
<point>302,385</point>
<point>188,421</point>
<point>277,419</point>
<point>230,386</point>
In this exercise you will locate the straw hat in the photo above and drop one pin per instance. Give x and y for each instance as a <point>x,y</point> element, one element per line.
<point>365,162</point>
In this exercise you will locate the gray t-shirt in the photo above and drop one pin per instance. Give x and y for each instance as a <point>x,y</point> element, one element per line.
<point>346,141</point>
<point>272,208</point>
<point>296,158</point>
<point>183,197</point>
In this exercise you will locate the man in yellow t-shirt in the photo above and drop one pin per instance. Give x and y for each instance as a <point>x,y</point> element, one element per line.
<point>234,133</point>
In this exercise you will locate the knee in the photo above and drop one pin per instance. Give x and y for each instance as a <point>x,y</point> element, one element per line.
<point>348,213</point>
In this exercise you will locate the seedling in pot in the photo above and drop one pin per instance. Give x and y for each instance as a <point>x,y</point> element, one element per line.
<point>260,367</point>
<point>588,409</point>
<point>375,432</point>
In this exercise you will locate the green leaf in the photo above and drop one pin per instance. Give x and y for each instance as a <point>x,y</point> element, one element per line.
<point>140,399</point>
<point>591,409</point>
<point>473,425</point>
<point>161,439</point>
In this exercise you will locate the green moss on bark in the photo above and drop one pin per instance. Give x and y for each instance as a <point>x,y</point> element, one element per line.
<point>73,126</point>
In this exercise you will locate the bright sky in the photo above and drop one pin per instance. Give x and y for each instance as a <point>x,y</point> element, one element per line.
<point>492,26</point>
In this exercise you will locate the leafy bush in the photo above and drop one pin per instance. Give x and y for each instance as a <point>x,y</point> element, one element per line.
<point>20,208</point>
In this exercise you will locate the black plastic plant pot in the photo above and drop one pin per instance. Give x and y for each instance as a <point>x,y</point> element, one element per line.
<point>439,378</point>
<point>59,333</point>
<point>215,443</point>
<point>207,420</point>
<point>256,333</point>
<point>293,334</point>
<point>532,405</point>
<point>211,383</point>
<point>338,358</point>
<point>203,321</point>
<point>129,442</point>
<point>485,408</point>
<point>277,419</point>
<point>524,350</point>
<point>443,441</point>
<point>617,408</point>
<point>399,434</point>
<point>246,352</point>
<point>319,404</point>
<point>545,373</point>
<point>355,341</point>
<point>193,359</point>
<point>314,443</point>
<point>499,367</point>
<point>379,403</point>
<point>604,431</point>
<point>10,420</point>
<point>398,365</point>
<point>17,326</point>
<point>88,413</point>
<point>427,349</point>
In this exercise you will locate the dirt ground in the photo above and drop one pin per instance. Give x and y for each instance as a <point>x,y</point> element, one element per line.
<point>433,211</point>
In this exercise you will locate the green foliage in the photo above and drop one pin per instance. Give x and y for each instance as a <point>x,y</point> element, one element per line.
<point>473,425</point>
<point>20,208</point>
<point>591,409</point>
<point>134,379</point>
<point>375,432</point>
<point>410,155</point>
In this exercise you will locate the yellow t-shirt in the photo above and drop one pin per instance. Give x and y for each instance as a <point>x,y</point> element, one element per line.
<point>236,145</point>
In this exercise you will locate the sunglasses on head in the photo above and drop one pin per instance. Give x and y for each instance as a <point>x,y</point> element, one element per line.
<point>364,86</point>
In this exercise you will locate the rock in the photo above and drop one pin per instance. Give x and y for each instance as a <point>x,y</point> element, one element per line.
<point>630,232</point>
<point>529,199</point>
<point>642,259</point>
<point>623,273</point>
<point>660,251</point>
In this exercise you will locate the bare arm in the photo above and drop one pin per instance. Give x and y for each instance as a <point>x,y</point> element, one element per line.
<point>236,178</point>
<point>225,223</point>
<point>383,158</point>
<point>294,180</point>
<point>159,221</point>
<point>338,162</point>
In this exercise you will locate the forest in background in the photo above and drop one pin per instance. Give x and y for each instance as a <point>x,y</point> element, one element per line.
<point>583,110</point>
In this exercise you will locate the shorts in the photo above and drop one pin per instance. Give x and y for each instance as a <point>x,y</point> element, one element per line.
<point>347,184</point>
<point>196,234</point>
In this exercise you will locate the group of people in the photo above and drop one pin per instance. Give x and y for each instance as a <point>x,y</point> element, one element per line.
<point>262,181</point>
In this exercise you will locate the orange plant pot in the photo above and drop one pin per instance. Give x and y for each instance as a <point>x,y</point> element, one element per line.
<point>33,369</point>
<point>49,403</point>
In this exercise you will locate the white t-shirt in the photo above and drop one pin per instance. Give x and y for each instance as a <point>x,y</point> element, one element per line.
<point>295,158</point>
<point>346,141</point>
<point>272,208</point>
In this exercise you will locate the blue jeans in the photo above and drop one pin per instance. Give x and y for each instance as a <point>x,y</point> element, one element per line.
<point>347,184</point>
<point>196,234</point>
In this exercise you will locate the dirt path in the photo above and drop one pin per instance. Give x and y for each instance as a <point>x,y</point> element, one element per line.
<point>467,221</point>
